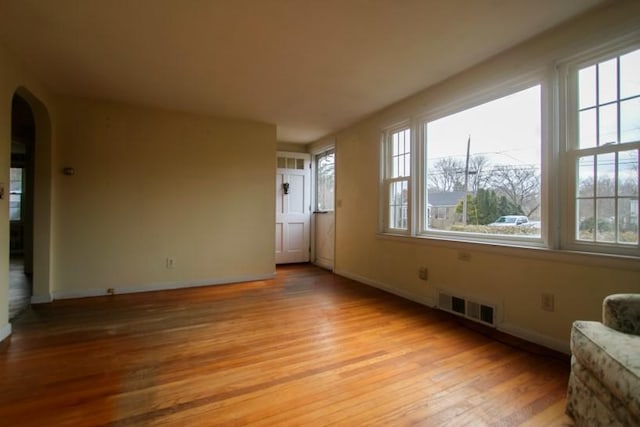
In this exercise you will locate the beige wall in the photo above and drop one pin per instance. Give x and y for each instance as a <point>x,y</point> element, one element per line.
<point>292,147</point>
<point>512,278</point>
<point>154,184</point>
<point>149,185</point>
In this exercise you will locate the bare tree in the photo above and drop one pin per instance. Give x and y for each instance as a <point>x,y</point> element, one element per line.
<point>479,178</point>
<point>520,184</point>
<point>447,174</point>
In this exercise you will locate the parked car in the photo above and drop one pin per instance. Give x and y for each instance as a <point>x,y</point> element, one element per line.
<point>510,221</point>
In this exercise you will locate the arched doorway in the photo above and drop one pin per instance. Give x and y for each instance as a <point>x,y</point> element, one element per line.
<point>21,202</point>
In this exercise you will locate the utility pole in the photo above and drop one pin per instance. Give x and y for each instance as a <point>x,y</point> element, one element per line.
<point>466,184</point>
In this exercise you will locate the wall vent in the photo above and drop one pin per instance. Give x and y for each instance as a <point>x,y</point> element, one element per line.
<point>474,310</point>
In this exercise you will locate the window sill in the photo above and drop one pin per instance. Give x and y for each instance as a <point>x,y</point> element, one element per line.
<point>535,250</point>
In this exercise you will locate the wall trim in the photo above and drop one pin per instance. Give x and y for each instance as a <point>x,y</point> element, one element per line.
<point>508,328</point>
<point>86,293</point>
<point>387,288</point>
<point>41,299</point>
<point>535,337</point>
<point>5,331</point>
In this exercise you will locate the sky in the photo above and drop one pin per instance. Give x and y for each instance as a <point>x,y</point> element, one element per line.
<point>506,131</point>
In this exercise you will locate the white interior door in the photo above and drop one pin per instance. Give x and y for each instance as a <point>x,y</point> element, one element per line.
<point>324,217</point>
<point>293,207</point>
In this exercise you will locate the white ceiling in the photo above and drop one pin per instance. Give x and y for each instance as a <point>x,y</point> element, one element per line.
<point>309,66</point>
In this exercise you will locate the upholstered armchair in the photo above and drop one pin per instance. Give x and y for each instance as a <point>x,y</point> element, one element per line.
<point>604,385</point>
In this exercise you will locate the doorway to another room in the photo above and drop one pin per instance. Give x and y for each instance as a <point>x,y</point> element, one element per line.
<point>21,206</point>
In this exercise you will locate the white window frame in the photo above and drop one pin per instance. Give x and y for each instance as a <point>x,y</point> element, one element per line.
<point>535,78</point>
<point>387,180</point>
<point>558,168</point>
<point>570,152</point>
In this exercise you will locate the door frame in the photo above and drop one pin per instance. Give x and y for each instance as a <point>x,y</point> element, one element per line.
<point>306,157</point>
<point>314,153</point>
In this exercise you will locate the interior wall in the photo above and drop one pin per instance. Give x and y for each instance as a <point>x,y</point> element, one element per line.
<point>292,147</point>
<point>151,185</point>
<point>514,279</point>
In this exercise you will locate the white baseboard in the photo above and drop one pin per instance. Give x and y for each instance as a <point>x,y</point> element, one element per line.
<point>85,293</point>
<point>387,288</point>
<point>535,337</point>
<point>5,331</point>
<point>525,334</point>
<point>41,299</point>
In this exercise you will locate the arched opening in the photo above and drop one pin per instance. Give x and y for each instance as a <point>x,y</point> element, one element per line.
<point>21,202</point>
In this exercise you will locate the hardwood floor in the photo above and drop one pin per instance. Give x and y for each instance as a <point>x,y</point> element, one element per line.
<point>19,288</point>
<point>308,348</point>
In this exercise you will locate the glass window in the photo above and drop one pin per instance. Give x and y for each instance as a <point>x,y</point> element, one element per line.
<point>15,196</point>
<point>397,175</point>
<point>483,164</point>
<point>325,181</point>
<point>606,151</point>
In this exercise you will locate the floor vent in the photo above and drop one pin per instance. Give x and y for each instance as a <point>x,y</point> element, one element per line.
<point>473,310</point>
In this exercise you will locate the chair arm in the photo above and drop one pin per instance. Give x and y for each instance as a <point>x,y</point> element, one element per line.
<point>622,313</point>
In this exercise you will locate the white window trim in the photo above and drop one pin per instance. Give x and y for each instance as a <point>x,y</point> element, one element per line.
<point>537,77</point>
<point>386,181</point>
<point>557,201</point>
<point>569,152</point>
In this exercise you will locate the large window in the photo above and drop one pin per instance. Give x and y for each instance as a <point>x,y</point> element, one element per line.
<point>397,171</point>
<point>604,149</point>
<point>483,169</point>
<point>548,161</point>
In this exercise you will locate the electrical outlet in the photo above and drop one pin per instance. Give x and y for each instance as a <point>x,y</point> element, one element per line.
<point>464,256</point>
<point>171,262</point>
<point>547,302</point>
<point>423,273</point>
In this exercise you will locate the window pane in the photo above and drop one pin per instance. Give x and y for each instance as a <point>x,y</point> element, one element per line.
<point>299,164</point>
<point>401,153</point>
<point>628,220</point>
<point>395,146</point>
<point>282,163</point>
<point>325,171</point>
<point>291,163</point>
<point>630,74</point>
<point>605,220</point>
<point>398,203</point>
<point>608,81</point>
<point>585,187</point>
<point>605,171</point>
<point>585,219</point>
<point>630,120</point>
<point>15,193</point>
<point>608,124</point>
<point>15,205</point>
<point>587,87</point>
<point>500,142</point>
<point>588,128</point>
<point>628,173</point>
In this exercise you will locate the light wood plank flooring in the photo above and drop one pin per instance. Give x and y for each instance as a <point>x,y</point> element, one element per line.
<point>308,348</point>
<point>19,288</point>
